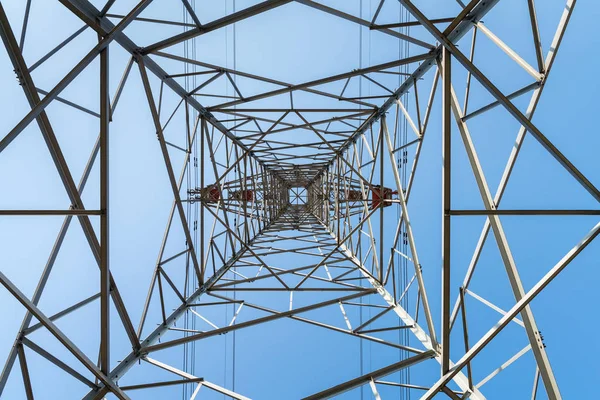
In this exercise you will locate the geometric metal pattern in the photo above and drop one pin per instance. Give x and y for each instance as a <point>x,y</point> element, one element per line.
<point>291,201</point>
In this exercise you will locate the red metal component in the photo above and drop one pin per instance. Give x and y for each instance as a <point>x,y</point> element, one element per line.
<point>379,195</point>
<point>242,195</point>
<point>210,194</point>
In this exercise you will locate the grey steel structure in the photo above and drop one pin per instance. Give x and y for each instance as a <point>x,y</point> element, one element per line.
<point>290,196</point>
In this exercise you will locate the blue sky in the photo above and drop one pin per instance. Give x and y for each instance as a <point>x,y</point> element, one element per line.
<point>297,44</point>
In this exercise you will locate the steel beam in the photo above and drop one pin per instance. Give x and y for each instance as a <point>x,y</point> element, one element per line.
<point>104,218</point>
<point>39,105</point>
<point>380,373</point>
<point>513,312</point>
<point>533,333</point>
<point>446,72</point>
<point>216,24</point>
<point>500,97</point>
<point>61,337</point>
<point>169,167</point>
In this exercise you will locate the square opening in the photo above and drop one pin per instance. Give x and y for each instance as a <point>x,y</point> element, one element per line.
<point>298,195</point>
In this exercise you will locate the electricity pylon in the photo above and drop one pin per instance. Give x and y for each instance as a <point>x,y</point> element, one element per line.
<point>284,196</point>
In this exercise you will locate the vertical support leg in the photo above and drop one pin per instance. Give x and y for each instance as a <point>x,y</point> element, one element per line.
<point>337,197</point>
<point>381,197</point>
<point>25,372</point>
<point>463,309</point>
<point>446,150</point>
<point>104,225</point>
<point>202,244</point>
<point>104,222</point>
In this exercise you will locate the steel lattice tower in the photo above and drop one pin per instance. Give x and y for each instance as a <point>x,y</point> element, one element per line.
<point>291,205</point>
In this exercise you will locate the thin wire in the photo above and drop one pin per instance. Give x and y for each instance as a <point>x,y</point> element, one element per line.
<point>405,339</point>
<point>225,363</point>
<point>360,51</point>
<point>234,269</point>
<point>194,79</point>
<point>185,388</point>
<point>192,177</point>
<point>369,36</point>
<point>186,319</point>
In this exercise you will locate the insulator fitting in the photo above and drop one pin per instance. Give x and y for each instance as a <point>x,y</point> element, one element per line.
<point>209,194</point>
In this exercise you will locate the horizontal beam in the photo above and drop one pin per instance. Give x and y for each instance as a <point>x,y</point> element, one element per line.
<point>245,324</point>
<point>216,24</point>
<point>329,79</point>
<point>380,373</point>
<point>365,23</point>
<point>48,212</point>
<point>539,212</point>
<point>161,384</point>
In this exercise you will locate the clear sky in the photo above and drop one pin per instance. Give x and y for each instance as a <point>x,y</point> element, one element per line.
<point>295,44</point>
